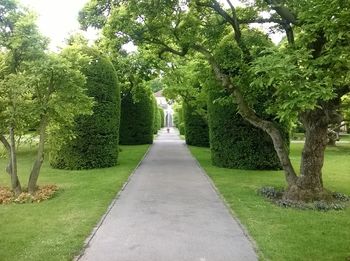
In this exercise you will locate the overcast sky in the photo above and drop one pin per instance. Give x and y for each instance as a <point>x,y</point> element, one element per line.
<point>59,18</point>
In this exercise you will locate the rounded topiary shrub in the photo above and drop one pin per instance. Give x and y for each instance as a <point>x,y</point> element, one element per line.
<point>96,137</point>
<point>234,142</point>
<point>137,116</point>
<point>196,127</point>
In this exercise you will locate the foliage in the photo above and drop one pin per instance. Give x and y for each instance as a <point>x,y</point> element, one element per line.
<point>95,141</point>
<point>306,77</point>
<point>336,202</point>
<point>156,85</point>
<point>162,117</point>
<point>38,90</point>
<point>43,193</point>
<point>156,116</point>
<point>137,116</point>
<point>234,142</point>
<point>179,118</point>
<point>196,127</point>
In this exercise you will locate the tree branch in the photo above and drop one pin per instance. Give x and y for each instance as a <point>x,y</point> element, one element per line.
<point>249,115</point>
<point>8,149</point>
<point>260,21</point>
<point>288,18</point>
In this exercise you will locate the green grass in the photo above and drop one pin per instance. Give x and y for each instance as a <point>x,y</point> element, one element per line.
<point>287,234</point>
<point>345,137</point>
<point>56,229</point>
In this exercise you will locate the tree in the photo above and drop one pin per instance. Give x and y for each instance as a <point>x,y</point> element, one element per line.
<point>184,81</point>
<point>37,89</point>
<point>307,76</point>
<point>19,42</point>
<point>58,97</point>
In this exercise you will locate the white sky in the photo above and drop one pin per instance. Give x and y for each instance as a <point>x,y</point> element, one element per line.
<point>59,18</point>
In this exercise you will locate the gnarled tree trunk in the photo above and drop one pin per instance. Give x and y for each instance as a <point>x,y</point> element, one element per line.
<point>33,178</point>
<point>309,185</point>
<point>11,168</point>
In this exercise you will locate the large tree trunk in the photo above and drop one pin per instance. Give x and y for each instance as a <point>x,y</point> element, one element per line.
<point>33,178</point>
<point>249,115</point>
<point>309,186</point>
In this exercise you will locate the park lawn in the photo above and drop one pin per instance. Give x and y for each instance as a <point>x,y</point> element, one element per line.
<point>56,229</point>
<point>287,234</point>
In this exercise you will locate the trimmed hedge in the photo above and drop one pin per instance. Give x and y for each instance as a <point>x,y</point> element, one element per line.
<point>157,117</point>
<point>136,123</point>
<point>179,120</point>
<point>234,142</point>
<point>196,127</point>
<point>162,117</point>
<point>96,136</point>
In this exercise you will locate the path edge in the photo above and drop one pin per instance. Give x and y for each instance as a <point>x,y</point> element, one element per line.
<point>227,206</point>
<point>109,208</point>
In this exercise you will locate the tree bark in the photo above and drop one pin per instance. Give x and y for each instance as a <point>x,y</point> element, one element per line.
<point>33,178</point>
<point>15,184</point>
<point>8,150</point>
<point>249,115</point>
<point>309,186</point>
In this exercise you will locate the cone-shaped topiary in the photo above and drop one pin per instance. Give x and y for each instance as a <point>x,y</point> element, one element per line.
<point>96,137</point>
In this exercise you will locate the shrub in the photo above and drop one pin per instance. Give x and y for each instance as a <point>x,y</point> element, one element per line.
<point>179,120</point>
<point>196,127</point>
<point>234,142</point>
<point>96,137</point>
<point>162,117</point>
<point>136,125</point>
<point>157,117</point>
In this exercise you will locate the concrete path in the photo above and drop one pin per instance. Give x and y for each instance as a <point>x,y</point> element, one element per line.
<point>169,211</point>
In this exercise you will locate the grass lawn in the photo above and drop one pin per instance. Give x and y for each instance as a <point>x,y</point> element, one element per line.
<point>287,234</point>
<point>56,229</point>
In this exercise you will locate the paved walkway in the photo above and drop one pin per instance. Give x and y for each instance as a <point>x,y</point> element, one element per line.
<point>169,212</point>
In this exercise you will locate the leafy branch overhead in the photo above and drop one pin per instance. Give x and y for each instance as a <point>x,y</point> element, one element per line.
<point>305,76</point>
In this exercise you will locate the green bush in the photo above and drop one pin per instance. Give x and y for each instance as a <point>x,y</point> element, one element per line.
<point>136,123</point>
<point>157,117</point>
<point>234,142</point>
<point>96,136</point>
<point>196,127</point>
<point>179,119</point>
<point>162,117</point>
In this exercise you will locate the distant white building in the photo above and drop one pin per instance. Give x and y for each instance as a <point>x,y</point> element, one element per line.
<point>161,99</point>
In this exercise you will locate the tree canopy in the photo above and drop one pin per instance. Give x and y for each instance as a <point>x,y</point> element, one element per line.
<point>306,75</point>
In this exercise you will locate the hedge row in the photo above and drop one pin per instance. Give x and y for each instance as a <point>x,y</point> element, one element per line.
<point>234,142</point>
<point>179,120</point>
<point>137,117</point>
<point>157,117</point>
<point>196,127</point>
<point>96,136</point>
<point>162,117</point>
